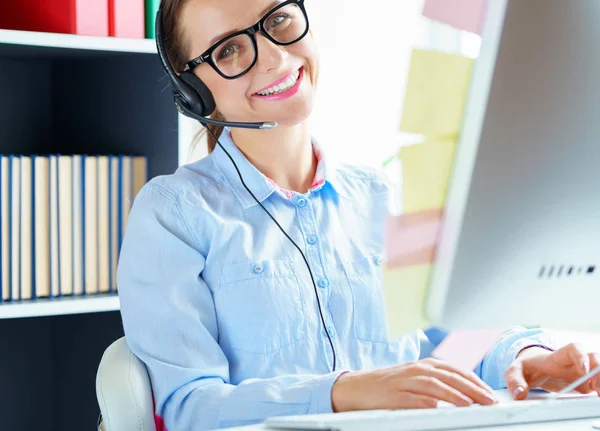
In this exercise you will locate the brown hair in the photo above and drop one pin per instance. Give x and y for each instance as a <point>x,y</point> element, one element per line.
<point>176,53</point>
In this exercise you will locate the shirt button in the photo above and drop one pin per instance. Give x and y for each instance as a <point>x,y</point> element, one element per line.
<point>312,240</point>
<point>258,269</point>
<point>301,203</point>
<point>331,331</point>
<point>323,283</point>
<point>378,260</point>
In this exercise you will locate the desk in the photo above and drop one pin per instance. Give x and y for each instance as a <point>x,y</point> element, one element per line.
<point>575,425</point>
<point>579,425</point>
<point>590,341</point>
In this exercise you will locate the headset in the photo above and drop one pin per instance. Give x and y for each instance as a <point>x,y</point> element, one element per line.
<point>193,99</point>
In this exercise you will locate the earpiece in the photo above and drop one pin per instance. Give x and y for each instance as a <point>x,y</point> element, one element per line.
<point>191,96</point>
<point>203,102</point>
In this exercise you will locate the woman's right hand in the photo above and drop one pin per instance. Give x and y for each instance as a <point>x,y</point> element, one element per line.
<point>413,385</point>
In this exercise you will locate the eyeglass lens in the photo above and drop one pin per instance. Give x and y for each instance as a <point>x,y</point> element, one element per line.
<point>235,55</point>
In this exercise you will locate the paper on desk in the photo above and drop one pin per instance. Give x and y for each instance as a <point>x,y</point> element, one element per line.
<point>411,239</point>
<point>436,92</point>
<point>405,290</point>
<point>466,15</point>
<point>504,395</point>
<point>426,170</point>
<point>465,348</point>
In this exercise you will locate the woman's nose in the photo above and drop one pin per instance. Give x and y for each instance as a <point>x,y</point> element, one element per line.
<point>270,55</point>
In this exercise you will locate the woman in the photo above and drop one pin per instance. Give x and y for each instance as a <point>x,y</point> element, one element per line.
<point>217,301</point>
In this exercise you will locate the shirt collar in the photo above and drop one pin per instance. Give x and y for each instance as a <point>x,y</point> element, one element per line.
<point>256,180</point>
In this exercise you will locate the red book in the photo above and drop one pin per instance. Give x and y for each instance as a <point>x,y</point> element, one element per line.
<point>84,17</point>
<point>126,18</point>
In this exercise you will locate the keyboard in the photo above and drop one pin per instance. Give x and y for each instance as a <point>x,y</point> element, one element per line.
<point>446,418</point>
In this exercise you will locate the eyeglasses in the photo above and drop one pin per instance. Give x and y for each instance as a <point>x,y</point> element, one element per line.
<point>236,54</point>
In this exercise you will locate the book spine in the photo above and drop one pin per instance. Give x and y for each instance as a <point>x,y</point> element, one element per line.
<point>91,17</point>
<point>151,8</point>
<point>126,18</point>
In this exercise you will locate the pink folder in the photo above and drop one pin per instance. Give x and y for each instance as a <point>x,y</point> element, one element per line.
<point>466,15</point>
<point>126,18</point>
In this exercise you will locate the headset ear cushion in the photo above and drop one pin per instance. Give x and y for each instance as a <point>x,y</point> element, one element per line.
<point>206,97</point>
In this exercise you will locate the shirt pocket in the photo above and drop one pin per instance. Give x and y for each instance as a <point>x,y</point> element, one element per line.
<point>369,317</point>
<point>259,306</point>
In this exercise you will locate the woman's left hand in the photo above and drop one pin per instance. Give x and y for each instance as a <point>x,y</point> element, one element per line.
<point>552,371</point>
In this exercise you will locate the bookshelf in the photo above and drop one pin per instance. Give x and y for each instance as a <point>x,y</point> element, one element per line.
<point>73,94</point>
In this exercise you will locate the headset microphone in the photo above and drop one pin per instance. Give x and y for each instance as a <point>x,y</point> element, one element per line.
<point>181,107</point>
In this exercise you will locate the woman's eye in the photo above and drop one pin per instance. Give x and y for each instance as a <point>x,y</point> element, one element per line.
<point>277,20</point>
<point>227,51</point>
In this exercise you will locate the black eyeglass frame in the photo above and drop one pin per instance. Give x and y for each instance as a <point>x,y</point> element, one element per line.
<point>206,57</point>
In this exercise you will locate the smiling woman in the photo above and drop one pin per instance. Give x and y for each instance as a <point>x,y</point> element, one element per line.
<point>250,280</point>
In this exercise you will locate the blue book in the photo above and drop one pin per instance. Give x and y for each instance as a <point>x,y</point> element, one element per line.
<point>113,229</point>
<point>78,216</point>
<point>4,229</point>
<point>53,219</point>
<point>14,196</point>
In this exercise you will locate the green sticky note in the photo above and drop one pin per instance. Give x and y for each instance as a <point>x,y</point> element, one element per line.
<point>405,290</point>
<point>436,92</point>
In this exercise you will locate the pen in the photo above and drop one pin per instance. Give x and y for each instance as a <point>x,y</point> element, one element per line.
<point>576,383</point>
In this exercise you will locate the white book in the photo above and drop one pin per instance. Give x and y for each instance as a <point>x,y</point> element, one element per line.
<point>15,228</point>
<point>126,192</point>
<point>90,222</point>
<point>54,244</point>
<point>78,225</point>
<point>65,223</point>
<point>114,220</point>
<point>140,174</point>
<point>41,169</point>
<point>5,227</point>
<point>103,247</point>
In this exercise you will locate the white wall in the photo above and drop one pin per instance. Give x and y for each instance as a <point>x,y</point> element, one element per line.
<point>365,49</point>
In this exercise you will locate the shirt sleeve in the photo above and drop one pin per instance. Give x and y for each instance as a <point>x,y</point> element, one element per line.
<point>505,351</point>
<point>170,323</point>
<point>495,363</point>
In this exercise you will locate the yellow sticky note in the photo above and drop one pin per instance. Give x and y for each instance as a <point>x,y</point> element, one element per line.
<point>405,290</point>
<point>426,170</point>
<point>436,92</point>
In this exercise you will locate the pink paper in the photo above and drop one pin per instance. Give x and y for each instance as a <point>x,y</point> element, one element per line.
<point>466,348</point>
<point>466,15</point>
<point>411,239</point>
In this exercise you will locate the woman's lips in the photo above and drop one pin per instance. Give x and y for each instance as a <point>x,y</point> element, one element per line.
<point>285,94</point>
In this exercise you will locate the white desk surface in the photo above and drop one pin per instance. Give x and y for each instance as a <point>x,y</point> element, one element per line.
<point>576,425</point>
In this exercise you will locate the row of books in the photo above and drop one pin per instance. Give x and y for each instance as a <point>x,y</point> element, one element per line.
<point>62,221</point>
<point>120,18</point>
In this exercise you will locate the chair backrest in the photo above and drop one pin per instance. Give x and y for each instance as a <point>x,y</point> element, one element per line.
<point>123,390</point>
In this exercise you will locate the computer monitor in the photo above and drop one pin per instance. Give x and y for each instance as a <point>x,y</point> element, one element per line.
<point>520,242</point>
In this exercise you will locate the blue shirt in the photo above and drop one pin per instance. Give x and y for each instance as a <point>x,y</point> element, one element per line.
<point>220,307</point>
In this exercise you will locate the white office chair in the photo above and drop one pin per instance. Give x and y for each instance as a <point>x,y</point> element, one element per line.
<point>123,391</point>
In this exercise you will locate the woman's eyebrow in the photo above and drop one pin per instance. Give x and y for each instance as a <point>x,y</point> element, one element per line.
<point>224,35</point>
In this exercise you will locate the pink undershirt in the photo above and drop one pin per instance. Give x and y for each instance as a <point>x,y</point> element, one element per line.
<point>318,181</point>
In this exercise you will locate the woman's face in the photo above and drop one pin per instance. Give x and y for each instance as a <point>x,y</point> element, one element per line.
<point>204,22</point>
